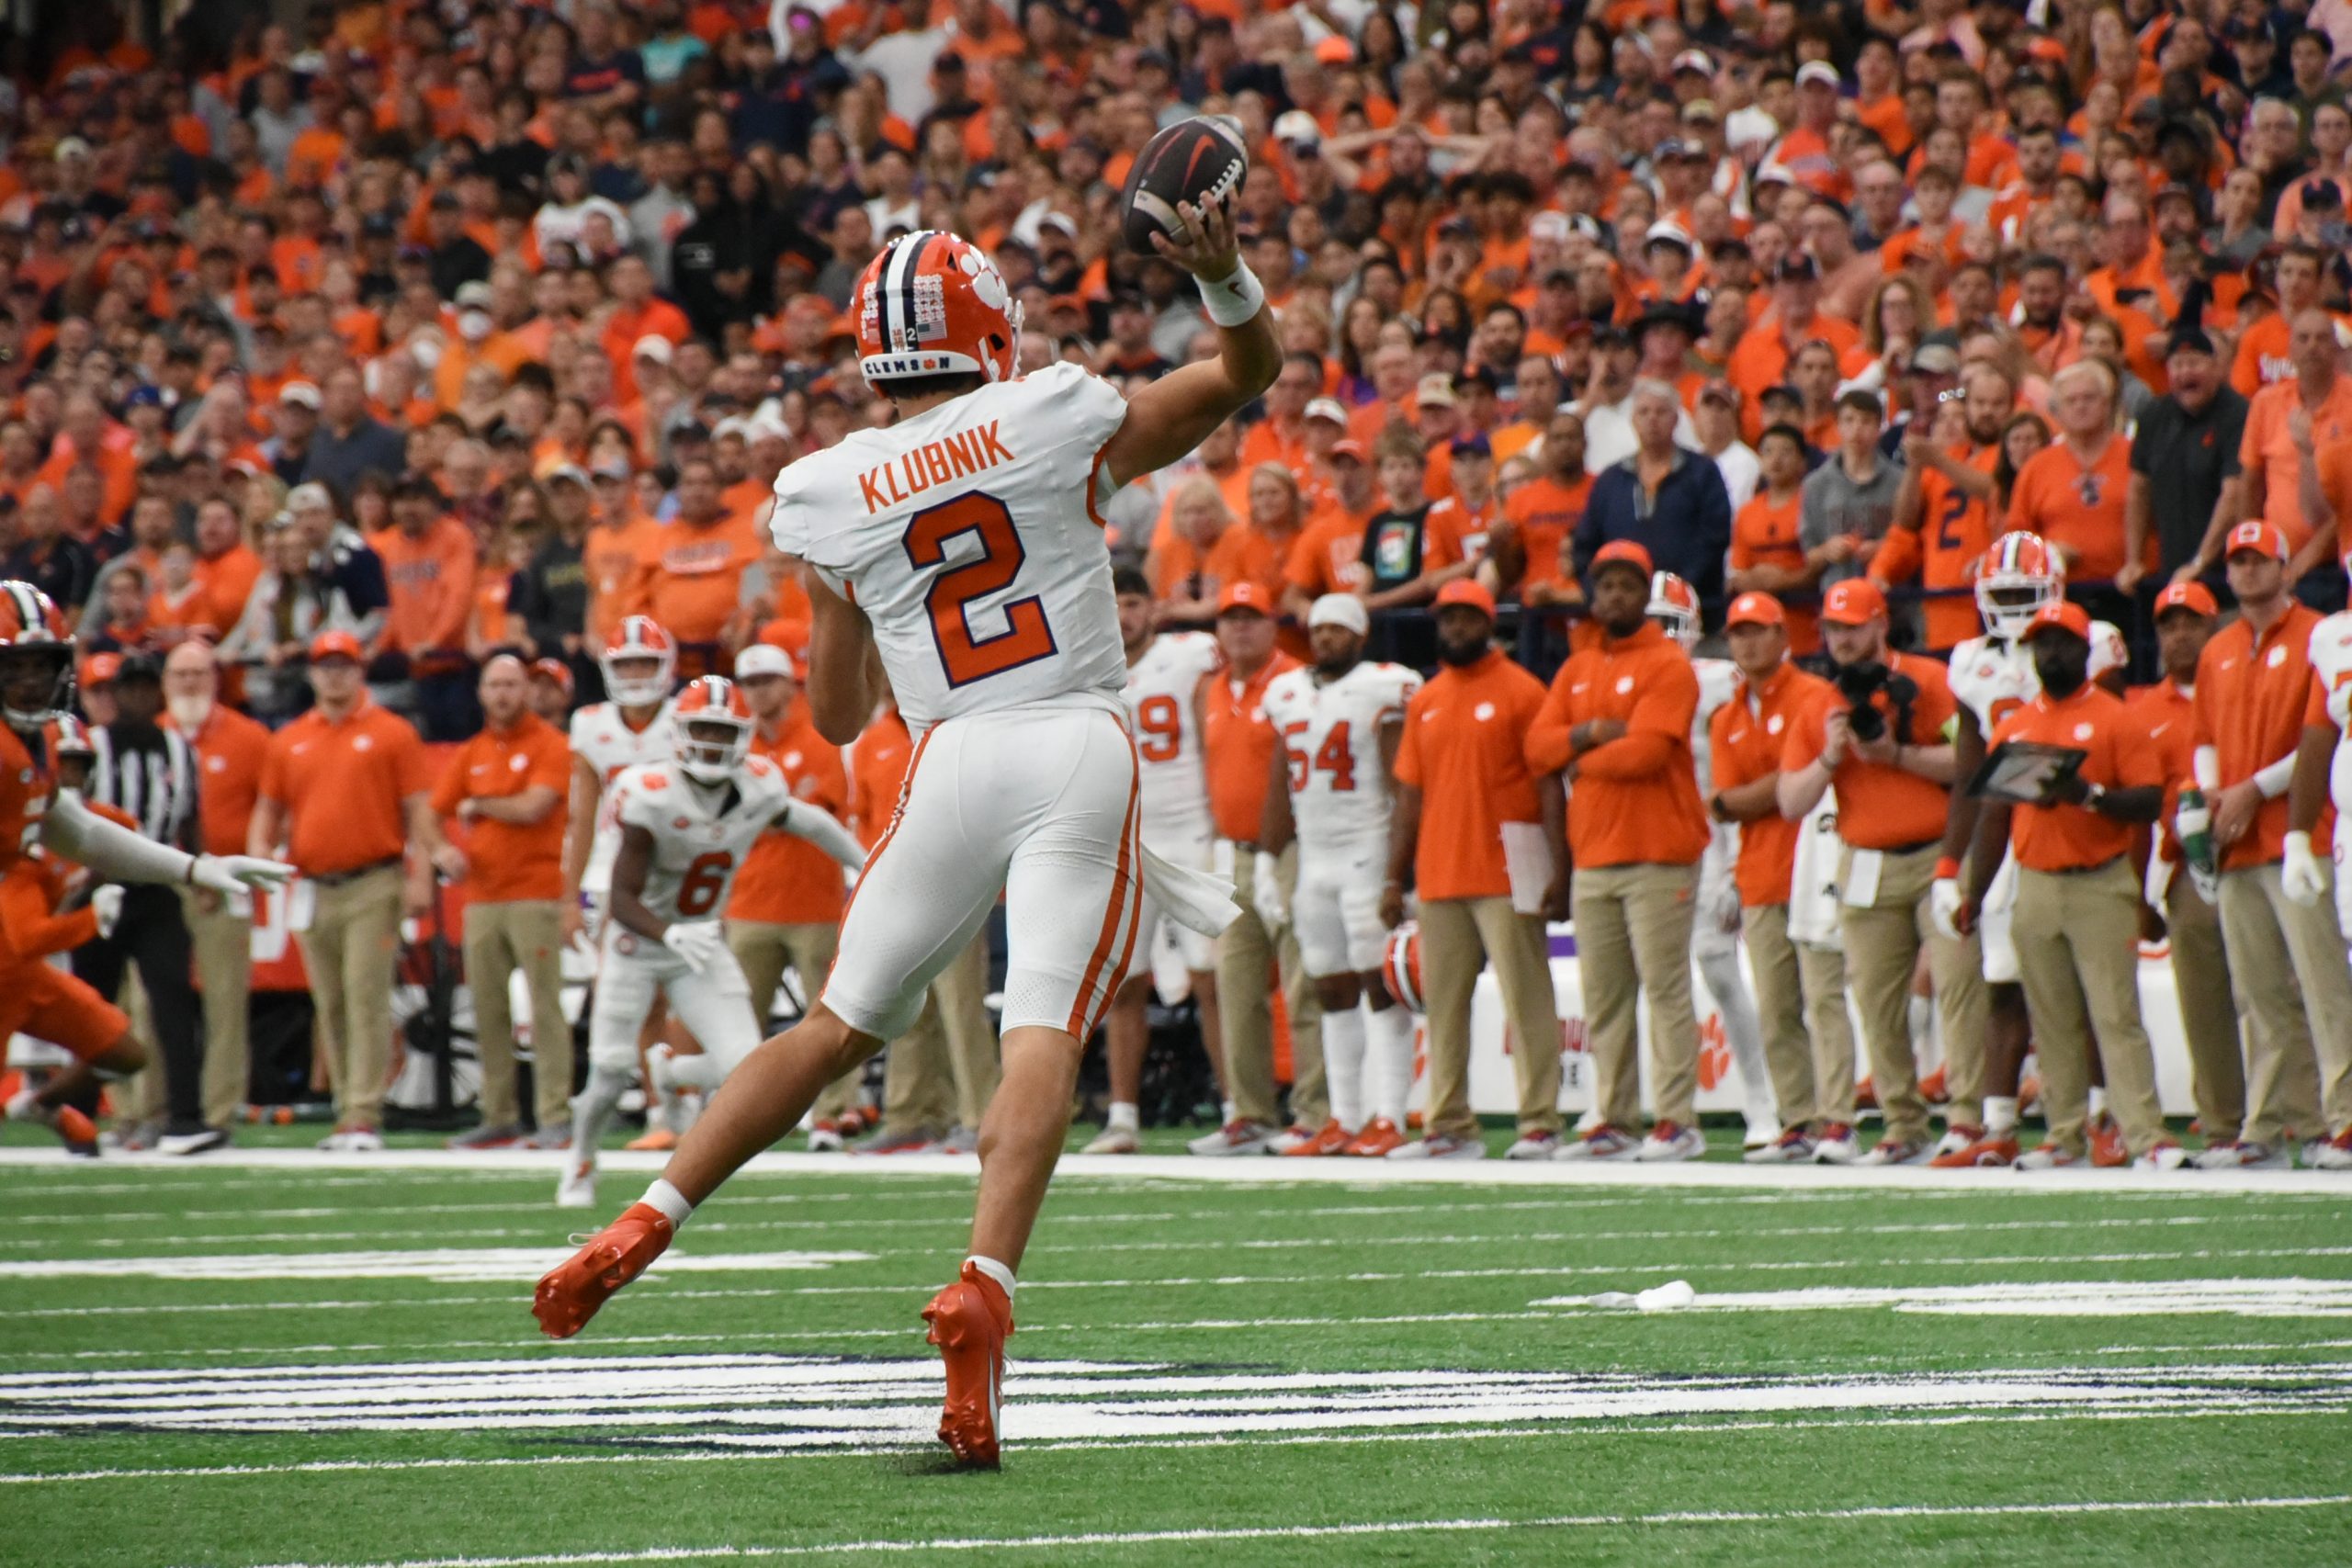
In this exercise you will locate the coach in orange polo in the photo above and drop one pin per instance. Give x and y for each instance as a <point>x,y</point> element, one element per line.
<point>345,789</point>
<point>2078,899</point>
<point>1463,792</point>
<point>509,786</point>
<point>1618,720</point>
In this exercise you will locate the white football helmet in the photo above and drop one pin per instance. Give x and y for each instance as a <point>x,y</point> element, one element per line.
<point>1674,605</point>
<point>2017,576</point>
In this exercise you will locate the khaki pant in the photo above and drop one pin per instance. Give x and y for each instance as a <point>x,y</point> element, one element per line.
<point>2212,1015</point>
<point>350,952</point>
<point>1882,944</point>
<point>139,1097</point>
<point>2078,958</point>
<point>1247,958</point>
<point>1633,937</point>
<point>223,943</point>
<point>942,1072</point>
<point>765,950</point>
<point>2287,961</point>
<point>525,934</point>
<point>1460,937</point>
<point>1808,1041</point>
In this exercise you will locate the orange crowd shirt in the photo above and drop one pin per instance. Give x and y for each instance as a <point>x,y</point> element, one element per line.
<point>2078,506</point>
<point>2267,445</point>
<point>510,861</point>
<point>1765,533</point>
<point>1544,512</point>
<point>1465,749</point>
<point>344,784</point>
<point>787,880</point>
<point>1635,801</point>
<point>2075,837</point>
<point>431,578</point>
<point>690,578</point>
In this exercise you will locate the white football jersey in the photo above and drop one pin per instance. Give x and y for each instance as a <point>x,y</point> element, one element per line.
<point>603,740</point>
<point>1330,733</point>
<point>1159,692</point>
<point>1718,679</point>
<point>1993,678</point>
<point>700,835</point>
<point>968,536</point>
<point>2331,656</point>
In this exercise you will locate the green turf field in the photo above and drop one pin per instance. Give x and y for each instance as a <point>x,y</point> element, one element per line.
<point>237,1363</point>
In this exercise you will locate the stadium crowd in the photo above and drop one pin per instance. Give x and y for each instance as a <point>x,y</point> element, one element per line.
<point>349,348</point>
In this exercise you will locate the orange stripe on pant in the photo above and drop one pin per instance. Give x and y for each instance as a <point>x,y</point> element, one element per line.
<point>1135,933</point>
<point>1114,914</point>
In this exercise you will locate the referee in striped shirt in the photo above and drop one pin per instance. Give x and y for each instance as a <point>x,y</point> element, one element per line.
<point>149,773</point>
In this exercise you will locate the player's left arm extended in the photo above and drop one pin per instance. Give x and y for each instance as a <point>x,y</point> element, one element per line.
<point>117,854</point>
<point>821,828</point>
<point>841,648</point>
<point>1169,419</point>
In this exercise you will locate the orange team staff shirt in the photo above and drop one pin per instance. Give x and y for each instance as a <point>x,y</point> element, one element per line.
<point>2078,507</point>
<point>1465,749</point>
<point>343,785</point>
<point>2075,838</point>
<point>691,579</point>
<point>1955,530</point>
<point>1544,513</point>
<point>877,767</point>
<point>431,580</point>
<point>1765,533</point>
<point>1636,797</point>
<point>1880,806</point>
<point>1237,747</point>
<point>1327,556</point>
<point>229,749</point>
<point>2254,698</point>
<point>509,861</point>
<point>787,880</point>
<point>2268,446</point>
<point>2167,719</point>
<point>1748,734</point>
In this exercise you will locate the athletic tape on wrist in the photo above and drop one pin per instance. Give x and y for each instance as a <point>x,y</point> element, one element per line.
<point>1237,300</point>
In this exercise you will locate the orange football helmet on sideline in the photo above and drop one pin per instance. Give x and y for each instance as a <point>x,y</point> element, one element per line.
<point>638,637</point>
<point>2016,577</point>
<point>35,660</point>
<point>933,304</point>
<point>714,726</point>
<point>1400,966</point>
<point>1674,605</point>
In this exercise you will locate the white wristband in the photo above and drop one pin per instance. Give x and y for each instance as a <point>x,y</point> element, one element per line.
<point>1236,300</point>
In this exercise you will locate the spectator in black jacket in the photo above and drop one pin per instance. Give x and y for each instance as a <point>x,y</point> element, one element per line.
<point>550,595</point>
<point>47,555</point>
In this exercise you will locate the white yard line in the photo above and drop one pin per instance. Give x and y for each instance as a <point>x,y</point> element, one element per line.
<point>1376,1173</point>
<point>1472,1524</point>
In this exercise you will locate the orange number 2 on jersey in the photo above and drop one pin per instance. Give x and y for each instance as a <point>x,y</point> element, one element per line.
<point>1162,723</point>
<point>1025,638</point>
<point>698,889</point>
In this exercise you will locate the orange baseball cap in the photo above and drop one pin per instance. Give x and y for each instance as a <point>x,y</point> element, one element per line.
<point>336,645</point>
<point>2191,596</point>
<point>100,669</point>
<point>1464,591</point>
<point>1853,603</point>
<point>2253,534</point>
<point>554,670</point>
<point>1624,551</point>
<point>1755,609</point>
<point>2073,618</point>
<point>1246,594</point>
<point>1347,447</point>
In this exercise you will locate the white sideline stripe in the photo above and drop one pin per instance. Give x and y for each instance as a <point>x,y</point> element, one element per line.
<point>2040,1298</point>
<point>1380,1528</point>
<point>1082,1445</point>
<point>534,1165</point>
<point>470,1264</point>
<point>1362,1211</point>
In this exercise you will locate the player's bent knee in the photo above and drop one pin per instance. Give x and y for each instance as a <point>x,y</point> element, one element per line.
<point>121,1059</point>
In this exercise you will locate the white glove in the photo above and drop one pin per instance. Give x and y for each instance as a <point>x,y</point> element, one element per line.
<point>238,874</point>
<point>697,942</point>
<point>1266,892</point>
<point>1722,906</point>
<point>105,902</point>
<point>1943,906</point>
<point>2301,875</point>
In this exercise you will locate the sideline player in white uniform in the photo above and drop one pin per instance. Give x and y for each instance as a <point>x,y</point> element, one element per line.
<point>685,826</point>
<point>2324,771</point>
<point>1163,696</point>
<point>1715,941</point>
<point>632,725</point>
<point>964,545</point>
<point>1992,676</point>
<point>1341,721</point>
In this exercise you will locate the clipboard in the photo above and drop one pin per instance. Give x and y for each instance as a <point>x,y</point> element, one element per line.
<point>2023,772</point>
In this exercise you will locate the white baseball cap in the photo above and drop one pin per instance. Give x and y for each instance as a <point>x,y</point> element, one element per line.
<point>761,658</point>
<point>1326,407</point>
<point>1339,610</point>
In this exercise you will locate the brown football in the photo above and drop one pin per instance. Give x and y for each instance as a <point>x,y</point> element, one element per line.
<point>1190,159</point>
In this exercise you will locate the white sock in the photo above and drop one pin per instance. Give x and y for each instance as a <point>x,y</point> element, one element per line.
<point>1225,1113</point>
<point>1743,1030</point>
<point>1344,1054</point>
<point>670,1201</point>
<point>994,1270</point>
<point>1123,1117</point>
<point>1922,1019</point>
<point>2097,1103</point>
<point>2000,1114</point>
<point>1388,1068</point>
<point>594,1107</point>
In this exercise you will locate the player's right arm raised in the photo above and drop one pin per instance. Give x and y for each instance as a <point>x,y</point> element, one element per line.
<point>1174,415</point>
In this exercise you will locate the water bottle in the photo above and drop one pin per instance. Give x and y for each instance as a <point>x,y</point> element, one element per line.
<point>2194,822</point>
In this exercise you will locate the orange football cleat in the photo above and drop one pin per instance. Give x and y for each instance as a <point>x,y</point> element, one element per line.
<point>1987,1149</point>
<point>2108,1150</point>
<point>1866,1095</point>
<point>570,1294</point>
<point>969,1320</point>
<point>659,1140</point>
<point>1330,1139</point>
<point>78,1133</point>
<point>1378,1138</point>
<point>1932,1088</point>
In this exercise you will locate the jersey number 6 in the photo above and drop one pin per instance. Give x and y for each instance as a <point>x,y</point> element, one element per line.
<point>698,889</point>
<point>1025,638</point>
